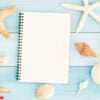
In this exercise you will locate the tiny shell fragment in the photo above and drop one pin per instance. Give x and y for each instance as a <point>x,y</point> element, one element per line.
<point>4,90</point>
<point>85,50</point>
<point>45,91</point>
<point>83,85</point>
<point>4,60</point>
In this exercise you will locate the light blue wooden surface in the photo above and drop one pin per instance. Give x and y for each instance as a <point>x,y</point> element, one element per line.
<point>25,91</point>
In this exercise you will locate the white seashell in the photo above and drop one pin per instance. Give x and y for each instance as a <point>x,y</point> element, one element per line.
<point>4,60</point>
<point>4,90</point>
<point>45,91</point>
<point>95,73</point>
<point>82,85</point>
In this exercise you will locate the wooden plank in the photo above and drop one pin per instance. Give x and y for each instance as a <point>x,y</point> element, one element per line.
<point>10,48</point>
<point>94,42</point>
<point>25,91</point>
<point>47,6</point>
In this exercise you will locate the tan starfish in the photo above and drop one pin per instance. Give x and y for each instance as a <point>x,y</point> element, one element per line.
<point>4,90</point>
<point>3,14</point>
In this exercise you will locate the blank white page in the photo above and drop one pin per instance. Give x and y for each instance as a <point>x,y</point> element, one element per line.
<point>45,47</point>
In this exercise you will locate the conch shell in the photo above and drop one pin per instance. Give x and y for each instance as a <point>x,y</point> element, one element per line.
<point>85,50</point>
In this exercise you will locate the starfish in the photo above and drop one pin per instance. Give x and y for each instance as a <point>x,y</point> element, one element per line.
<point>3,14</point>
<point>87,9</point>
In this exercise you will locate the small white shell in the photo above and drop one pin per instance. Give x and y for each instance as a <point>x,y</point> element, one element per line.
<point>45,91</point>
<point>4,60</point>
<point>83,85</point>
<point>95,73</point>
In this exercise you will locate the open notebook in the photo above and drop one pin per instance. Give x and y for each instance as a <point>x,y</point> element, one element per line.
<point>43,47</point>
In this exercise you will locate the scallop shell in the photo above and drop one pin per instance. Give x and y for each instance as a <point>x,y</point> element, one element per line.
<point>45,91</point>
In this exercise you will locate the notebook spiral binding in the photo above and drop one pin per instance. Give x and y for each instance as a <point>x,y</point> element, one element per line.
<point>20,38</point>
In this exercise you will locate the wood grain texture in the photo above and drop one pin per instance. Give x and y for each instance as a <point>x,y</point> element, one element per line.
<point>10,48</point>
<point>25,91</point>
<point>48,6</point>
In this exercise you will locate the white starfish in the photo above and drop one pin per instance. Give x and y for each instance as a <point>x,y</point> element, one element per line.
<point>86,9</point>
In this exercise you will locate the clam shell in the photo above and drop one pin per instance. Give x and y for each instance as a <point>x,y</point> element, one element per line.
<point>45,91</point>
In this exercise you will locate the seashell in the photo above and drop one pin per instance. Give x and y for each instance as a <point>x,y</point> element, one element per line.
<point>95,73</point>
<point>4,90</point>
<point>45,91</point>
<point>83,85</point>
<point>4,60</point>
<point>85,50</point>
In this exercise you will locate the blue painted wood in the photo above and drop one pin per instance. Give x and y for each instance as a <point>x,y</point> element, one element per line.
<point>48,6</point>
<point>25,91</point>
<point>10,48</point>
<point>94,42</point>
